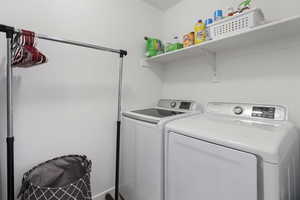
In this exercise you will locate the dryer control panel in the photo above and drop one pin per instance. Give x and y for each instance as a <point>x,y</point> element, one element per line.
<point>252,111</point>
<point>178,104</point>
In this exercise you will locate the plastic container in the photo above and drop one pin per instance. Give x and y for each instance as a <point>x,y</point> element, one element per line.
<point>154,47</point>
<point>189,39</point>
<point>236,24</point>
<point>173,47</point>
<point>208,22</point>
<point>200,32</point>
<point>218,15</point>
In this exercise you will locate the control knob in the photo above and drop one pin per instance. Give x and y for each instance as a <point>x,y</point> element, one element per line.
<point>238,110</point>
<point>173,104</point>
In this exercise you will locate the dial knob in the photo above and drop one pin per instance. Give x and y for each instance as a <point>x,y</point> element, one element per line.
<point>173,104</point>
<point>238,110</point>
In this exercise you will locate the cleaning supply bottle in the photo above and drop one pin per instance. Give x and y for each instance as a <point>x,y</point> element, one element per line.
<point>207,23</point>
<point>218,15</point>
<point>154,47</point>
<point>200,32</point>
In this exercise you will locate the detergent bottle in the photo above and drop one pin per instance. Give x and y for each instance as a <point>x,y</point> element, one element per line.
<point>200,32</point>
<point>154,47</point>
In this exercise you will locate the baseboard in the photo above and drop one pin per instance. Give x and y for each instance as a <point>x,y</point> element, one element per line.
<point>101,196</point>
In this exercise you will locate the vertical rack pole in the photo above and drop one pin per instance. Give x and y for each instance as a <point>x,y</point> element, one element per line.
<point>120,87</point>
<point>117,178</point>
<point>10,136</point>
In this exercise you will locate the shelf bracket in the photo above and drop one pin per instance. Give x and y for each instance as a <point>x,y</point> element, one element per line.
<point>212,61</point>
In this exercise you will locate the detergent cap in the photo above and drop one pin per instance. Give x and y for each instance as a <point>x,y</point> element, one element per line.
<point>218,15</point>
<point>209,21</point>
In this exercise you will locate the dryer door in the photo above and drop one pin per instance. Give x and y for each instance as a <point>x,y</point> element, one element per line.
<point>196,169</point>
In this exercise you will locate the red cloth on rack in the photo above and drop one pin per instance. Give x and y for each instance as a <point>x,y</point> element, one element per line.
<point>25,53</point>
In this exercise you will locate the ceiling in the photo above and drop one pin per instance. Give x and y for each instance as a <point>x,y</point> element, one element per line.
<point>162,4</point>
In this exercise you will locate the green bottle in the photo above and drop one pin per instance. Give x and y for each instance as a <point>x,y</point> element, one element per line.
<point>154,47</point>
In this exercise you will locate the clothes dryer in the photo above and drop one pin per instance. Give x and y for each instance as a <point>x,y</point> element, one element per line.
<point>234,151</point>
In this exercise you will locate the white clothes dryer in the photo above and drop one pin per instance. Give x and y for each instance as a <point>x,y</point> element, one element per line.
<point>234,151</point>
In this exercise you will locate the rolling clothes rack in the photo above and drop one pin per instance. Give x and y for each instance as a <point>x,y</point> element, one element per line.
<point>10,31</point>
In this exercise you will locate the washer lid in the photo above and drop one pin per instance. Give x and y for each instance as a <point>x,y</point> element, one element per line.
<point>166,110</point>
<point>270,141</point>
<point>153,115</point>
<point>156,112</point>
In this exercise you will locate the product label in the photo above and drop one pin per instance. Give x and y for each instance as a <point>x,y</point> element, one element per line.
<point>200,35</point>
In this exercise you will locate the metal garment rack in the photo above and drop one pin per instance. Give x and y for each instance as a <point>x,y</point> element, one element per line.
<point>10,31</point>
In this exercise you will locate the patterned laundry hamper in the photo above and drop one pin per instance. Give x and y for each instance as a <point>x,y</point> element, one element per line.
<point>62,178</point>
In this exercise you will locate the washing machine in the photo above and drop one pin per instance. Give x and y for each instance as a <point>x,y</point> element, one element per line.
<point>141,171</point>
<point>233,151</point>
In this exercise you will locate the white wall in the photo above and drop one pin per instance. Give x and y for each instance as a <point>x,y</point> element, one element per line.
<point>261,73</point>
<point>69,105</point>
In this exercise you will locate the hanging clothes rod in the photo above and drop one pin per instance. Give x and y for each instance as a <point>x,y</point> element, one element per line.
<point>4,28</point>
<point>76,43</point>
<point>10,31</point>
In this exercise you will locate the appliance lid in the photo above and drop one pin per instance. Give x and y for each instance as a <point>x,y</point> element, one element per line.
<point>166,110</point>
<point>153,115</point>
<point>156,112</point>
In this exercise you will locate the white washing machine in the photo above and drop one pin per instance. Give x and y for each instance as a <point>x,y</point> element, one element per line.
<point>233,152</point>
<point>141,171</point>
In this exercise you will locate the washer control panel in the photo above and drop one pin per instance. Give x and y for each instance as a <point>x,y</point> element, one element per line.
<point>177,104</point>
<point>252,111</point>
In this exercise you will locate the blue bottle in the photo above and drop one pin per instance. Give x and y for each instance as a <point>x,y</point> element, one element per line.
<point>218,15</point>
<point>207,23</point>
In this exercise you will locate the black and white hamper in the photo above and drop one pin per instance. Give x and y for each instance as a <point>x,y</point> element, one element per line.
<point>62,178</point>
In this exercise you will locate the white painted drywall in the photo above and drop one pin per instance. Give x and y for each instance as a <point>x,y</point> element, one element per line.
<point>261,73</point>
<point>69,105</point>
<point>163,5</point>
